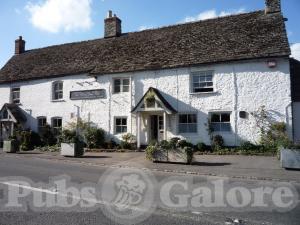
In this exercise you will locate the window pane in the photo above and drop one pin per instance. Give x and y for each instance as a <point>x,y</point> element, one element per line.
<point>215,118</point>
<point>125,88</point>
<point>124,129</point>
<point>118,129</point>
<point>118,122</point>
<point>192,118</point>
<point>225,127</point>
<point>124,121</point>
<point>225,117</point>
<point>192,128</point>
<point>126,82</point>
<point>117,89</point>
<point>117,82</point>
<point>182,128</point>
<point>215,127</point>
<point>182,118</point>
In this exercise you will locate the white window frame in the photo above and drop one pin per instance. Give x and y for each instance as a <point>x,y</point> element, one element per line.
<point>12,92</point>
<point>220,122</point>
<point>204,75</point>
<point>186,124</point>
<point>57,91</point>
<point>121,85</point>
<point>122,126</point>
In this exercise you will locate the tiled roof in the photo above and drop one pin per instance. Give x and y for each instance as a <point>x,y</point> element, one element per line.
<point>237,37</point>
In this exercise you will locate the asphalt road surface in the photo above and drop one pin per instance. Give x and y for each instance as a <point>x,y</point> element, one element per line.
<point>39,170</point>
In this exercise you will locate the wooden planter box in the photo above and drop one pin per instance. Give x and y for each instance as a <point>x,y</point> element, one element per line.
<point>72,149</point>
<point>290,158</point>
<point>11,146</point>
<point>173,156</point>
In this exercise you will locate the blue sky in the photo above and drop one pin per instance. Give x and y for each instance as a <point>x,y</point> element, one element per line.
<point>49,22</point>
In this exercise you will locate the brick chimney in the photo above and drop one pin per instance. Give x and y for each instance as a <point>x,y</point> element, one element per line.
<point>113,26</point>
<point>273,6</point>
<point>19,46</point>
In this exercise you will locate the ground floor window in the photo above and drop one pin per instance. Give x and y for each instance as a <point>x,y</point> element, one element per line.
<point>56,124</point>
<point>220,122</point>
<point>120,125</point>
<point>42,122</point>
<point>187,123</point>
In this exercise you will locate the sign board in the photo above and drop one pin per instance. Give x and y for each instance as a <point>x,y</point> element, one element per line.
<point>87,94</point>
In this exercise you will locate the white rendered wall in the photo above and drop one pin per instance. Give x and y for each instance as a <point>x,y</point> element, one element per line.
<point>239,86</point>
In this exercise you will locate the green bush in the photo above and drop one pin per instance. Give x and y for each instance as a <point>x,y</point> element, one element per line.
<point>128,141</point>
<point>189,154</point>
<point>183,143</point>
<point>217,143</point>
<point>111,144</point>
<point>94,137</point>
<point>174,142</point>
<point>165,145</point>
<point>150,152</point>
<point>201,147</point>
<point>29,140</point>
<point>47,136</point>
<point>68,136</point>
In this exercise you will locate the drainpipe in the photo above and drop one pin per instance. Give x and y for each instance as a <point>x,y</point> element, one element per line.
<point>131,107</point>
<point>235,102</point>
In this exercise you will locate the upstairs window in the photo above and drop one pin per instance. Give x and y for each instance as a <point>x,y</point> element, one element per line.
<point>57,90</point>
<point>56,124</point>
<point>15,95</point>
<point>188,123</point>
<point>120,125</point>
<point>42,122</point>
<point>220,122</point>
<point>202,82</point>
<point>121,85</point>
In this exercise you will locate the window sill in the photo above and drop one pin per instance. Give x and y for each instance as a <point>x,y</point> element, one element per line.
<point>59,100</point>
<point>204,93</point>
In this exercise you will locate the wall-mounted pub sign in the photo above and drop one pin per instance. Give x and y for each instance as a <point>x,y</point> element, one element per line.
<point>87,94</point>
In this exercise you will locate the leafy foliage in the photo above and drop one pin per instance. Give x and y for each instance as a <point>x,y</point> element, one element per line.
<point>217,143</point>
<point>94,137</point>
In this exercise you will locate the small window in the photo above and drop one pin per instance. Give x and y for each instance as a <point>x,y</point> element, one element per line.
<point>56,124</point>
<point>188,123</point>
<point>121,85</point>
<point>220,122</point>
<point>121,125</point>
<point>15,95</point>
<point>42,122</point>
<point>202,82</point>
<point>57,90</point>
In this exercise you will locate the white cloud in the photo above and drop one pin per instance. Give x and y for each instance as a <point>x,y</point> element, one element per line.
<point>209,14</point>
<point>296,51</point>
<point>141,28</point>
<point>60,15</point>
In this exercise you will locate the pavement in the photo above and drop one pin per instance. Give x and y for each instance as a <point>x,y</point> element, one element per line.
<point>247,171</point>
<point>233,166</point>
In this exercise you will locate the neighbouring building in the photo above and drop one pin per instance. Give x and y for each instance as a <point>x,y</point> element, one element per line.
<point>159,83</point>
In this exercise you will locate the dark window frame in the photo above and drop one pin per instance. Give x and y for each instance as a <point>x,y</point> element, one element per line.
<point>121,125</point>
<point>220,121</point>
<point>16,91</point>
<point>122,88</point>
<point>57,90</point>
<point>55,127</point>
<point>188,123</point>
<point>202,81</point>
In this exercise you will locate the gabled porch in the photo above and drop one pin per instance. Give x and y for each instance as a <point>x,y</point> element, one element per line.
<point>152,115</point>
<point>11,116</point>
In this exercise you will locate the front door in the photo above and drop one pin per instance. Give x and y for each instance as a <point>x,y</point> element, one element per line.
<point>156,128</point>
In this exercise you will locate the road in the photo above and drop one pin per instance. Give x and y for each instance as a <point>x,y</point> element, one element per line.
<point>39,170</point>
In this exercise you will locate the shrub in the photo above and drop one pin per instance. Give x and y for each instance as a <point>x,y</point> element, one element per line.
<point>94,137</point>
<point>128,141</point>
<point>165,145</point>
<point>68,136</point>
<point>173,142</point>
<point>150,152</point>
<point>217,143</point>
<point>29,140</point>
<point>248,146</point>
<point>201,147</point>
<point>183,143</point>
<point>189,154</point>
<point>111,144</point>
<point>47,136</point>
<point>275,137</point>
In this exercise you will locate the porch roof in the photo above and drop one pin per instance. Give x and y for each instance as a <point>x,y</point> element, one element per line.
<point>159,96</point>
<point>15,111</point>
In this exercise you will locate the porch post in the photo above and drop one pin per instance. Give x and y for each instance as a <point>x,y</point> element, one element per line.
<point>138,135</point>
<point>165,126</point>
<point>12,129</point>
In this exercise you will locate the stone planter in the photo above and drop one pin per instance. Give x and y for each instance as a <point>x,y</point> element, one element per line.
<point>290,158</point>
<point>72,149</point>
<point>11,146</point>
<point>172,156</point>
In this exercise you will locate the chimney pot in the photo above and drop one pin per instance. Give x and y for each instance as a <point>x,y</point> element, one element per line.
<point>19,46</point>
<point>112,26</point>
<point>273,6</point>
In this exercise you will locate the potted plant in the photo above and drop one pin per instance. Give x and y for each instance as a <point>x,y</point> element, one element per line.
<point>290,157</point>
<point>11,145</point>
<point>71,144</point>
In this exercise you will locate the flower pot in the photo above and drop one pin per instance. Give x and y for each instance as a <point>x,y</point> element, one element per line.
<point>160,156</point>
<point>177,156</point>
<point>290,158</point>
<point>72,149</point>
<point>11,146</point>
